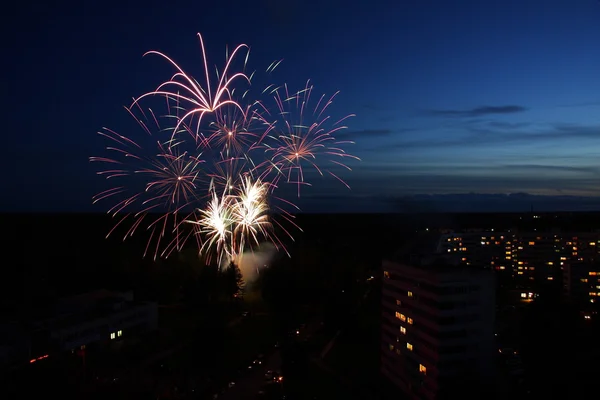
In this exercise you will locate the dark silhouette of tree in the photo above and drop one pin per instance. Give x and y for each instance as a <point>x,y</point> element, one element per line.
<point>233,282</point>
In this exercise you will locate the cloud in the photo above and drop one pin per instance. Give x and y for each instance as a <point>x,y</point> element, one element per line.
<point>585,104</point>
<point>366,133</point>
<point>447,180</point>
<point>507,125</point>
<point>460,201</point>
<point>482,136</point>
<point>479,111</point>
<point>540,167</point>
<point>387,169</point>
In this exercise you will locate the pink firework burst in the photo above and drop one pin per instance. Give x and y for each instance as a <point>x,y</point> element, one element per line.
<point>234,133</point>
<point>199,100</point>
<point>155,185</point>
<point>159,180</point>
<point>305,137</point>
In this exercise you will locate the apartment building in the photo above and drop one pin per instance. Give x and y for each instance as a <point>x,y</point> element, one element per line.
<point>99,317</point>
<point>527,263</point>
<point>437,326</point>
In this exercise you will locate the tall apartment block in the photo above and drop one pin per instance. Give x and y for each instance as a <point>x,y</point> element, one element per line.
<point>437,327</point>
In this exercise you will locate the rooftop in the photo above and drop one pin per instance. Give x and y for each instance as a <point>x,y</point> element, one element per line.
<point>84,307</point>
<point>424,252</point>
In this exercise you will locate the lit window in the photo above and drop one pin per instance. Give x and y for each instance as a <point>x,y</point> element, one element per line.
<point>386,274</point>
<point>550,278</point>
<point>524,295</point>
<point>409,346</point>
<point>403,330</point>
<point>409,320</point>
<point>391,347</point>
<point>113,335</point>
<point>398,303</point>
<point>422,369</point>
<point>400,316</point>
<point>119,333</point>
<point>410,294</point>
<point>531,243</point>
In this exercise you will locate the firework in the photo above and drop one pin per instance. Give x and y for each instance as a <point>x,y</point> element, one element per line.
<point>251,212</point>
<point>156,184</point>
<point>235,133</point>
<point>199,100</point>
<point>216,222</point>
<point>229,173</point>
<point>304,136</point>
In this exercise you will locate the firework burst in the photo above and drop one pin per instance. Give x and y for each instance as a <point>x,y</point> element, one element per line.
<point>304,136</point>
<point>156,184</point>
<point>248,151</point>
<point>200,100</point>
<point>216,223</point>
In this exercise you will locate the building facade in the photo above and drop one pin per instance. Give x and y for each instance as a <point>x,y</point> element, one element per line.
<point>99,317</point>
<point>437,328</point>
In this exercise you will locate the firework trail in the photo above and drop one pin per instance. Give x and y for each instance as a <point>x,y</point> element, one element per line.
<point>216,223</point>
<point>158,178</point>
<point>238,217</point>
<point>198,100</point>
<point>248,151</point>
<point>304,136</point>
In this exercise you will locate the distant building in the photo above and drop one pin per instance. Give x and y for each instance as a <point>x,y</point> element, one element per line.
<point>99,317</point>
<point>581,285</point>
<point>528,264</point>
<point>437,326</point>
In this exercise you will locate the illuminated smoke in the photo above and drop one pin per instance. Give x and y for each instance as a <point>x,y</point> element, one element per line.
<point>251,263</point>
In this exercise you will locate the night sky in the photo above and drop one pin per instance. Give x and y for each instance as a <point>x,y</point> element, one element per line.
<point>485,97</point>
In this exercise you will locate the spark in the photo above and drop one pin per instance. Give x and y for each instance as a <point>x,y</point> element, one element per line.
<point>160,185</point>
<point>202,100</point>
<point>222,186</point>
<point>304,136</point>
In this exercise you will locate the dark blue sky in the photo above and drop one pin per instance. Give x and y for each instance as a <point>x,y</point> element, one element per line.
<point>485,96</point>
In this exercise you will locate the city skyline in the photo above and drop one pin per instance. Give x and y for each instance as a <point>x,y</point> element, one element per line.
<point>482,99</point>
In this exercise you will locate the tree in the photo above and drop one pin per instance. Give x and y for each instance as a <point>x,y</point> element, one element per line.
<point>233,282</point>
